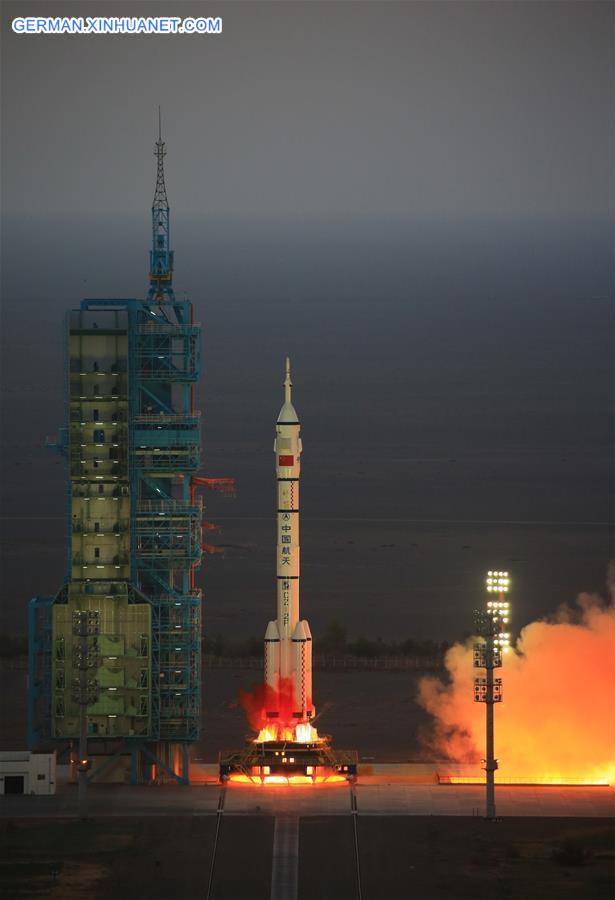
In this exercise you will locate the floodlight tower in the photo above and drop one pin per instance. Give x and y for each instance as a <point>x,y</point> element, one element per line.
<point>493,642</point>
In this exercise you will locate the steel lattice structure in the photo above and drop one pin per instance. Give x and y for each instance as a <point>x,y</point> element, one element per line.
<point>132,448</point>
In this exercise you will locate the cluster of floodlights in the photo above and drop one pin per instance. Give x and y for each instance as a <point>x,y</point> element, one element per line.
<point>502,641</point>
<point>498,582</point>
<point>499,609</point>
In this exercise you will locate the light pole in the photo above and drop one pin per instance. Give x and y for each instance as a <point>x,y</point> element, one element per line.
<point>492,643</point>
<point>85,689</point>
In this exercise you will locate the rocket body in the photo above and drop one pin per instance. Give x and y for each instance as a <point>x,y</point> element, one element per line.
<point>288,640</point>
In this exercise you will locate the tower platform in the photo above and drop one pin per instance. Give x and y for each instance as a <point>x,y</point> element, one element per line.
<point>315,760</point>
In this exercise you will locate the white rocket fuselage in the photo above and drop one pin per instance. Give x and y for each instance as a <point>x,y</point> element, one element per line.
<point>288,640</point>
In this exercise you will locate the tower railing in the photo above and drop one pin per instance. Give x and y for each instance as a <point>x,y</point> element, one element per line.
<point>182,459</point>
<point>175,420</point>
<point>168,507</point>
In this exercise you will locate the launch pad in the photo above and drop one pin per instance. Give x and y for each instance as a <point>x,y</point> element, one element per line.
<point>314,760</point>
<point>287,748</point>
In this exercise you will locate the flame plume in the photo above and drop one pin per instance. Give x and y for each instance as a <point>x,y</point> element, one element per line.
<point>556,722</point>
<point>261,698</point>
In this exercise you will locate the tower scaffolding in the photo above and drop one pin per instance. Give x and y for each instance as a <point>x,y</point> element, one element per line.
<point>132,445</point>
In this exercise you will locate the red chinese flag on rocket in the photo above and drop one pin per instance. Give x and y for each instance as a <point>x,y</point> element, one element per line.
<point>286,460</point>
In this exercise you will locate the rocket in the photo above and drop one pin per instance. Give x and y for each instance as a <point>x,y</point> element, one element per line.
<point>288,640</point>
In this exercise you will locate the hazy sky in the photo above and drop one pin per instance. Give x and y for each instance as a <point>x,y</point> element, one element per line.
<point>442,109</point>
<point>413,200</point>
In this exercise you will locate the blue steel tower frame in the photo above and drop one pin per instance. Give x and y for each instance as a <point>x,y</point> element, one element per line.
<point>163,456</point>
<point>161,255</point>
<point>164,451</point>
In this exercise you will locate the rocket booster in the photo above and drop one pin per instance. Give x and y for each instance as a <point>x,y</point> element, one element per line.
<point>288,640</point>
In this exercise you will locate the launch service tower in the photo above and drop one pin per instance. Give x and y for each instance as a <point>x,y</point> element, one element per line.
<point>132,449</point>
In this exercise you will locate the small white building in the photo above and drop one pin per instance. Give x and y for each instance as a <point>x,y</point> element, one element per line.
<point>22,772</point>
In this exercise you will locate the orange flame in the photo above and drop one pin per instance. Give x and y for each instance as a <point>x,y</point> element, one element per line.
<point>304,733</point>
<point>555,724</point>
<point>287,779</point>
<point>263,698</point>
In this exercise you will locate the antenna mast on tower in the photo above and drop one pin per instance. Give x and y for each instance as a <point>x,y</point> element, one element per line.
<point>161,256</point>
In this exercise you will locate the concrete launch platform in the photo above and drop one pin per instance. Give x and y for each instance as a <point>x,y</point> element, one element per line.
<point>315,760</point>
<point>432,773</point>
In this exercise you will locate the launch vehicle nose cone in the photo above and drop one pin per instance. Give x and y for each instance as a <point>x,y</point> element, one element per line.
<point>272,633</point>
<point>299,632</point>
<point>288,414</point>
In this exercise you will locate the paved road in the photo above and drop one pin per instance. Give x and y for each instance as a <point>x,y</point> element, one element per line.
<point>285,858</point>
<point>309,800</point>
